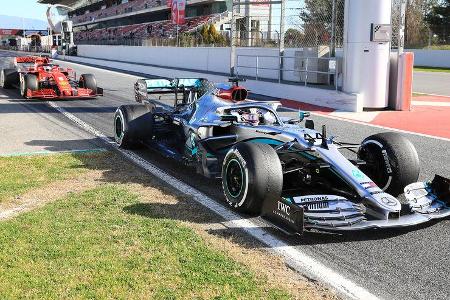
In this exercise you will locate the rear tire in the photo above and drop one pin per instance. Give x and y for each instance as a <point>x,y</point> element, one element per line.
<point>88,81</point>
<point>8,77</point>
<point>132,125</point>
<point>251,175</point>
<point>30,81</point>
<point>392,161</point>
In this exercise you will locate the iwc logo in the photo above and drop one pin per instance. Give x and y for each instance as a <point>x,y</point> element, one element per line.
<point>283,208</point>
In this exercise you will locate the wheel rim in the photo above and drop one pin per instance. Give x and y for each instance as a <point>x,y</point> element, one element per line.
<point>118,128</point>
<point>2,78</point>
<point>234,178</point>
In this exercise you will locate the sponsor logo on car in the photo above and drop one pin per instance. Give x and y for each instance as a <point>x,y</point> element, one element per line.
<point>389,201</point>
<point>386,161</point>
<point>357,174</point>
<point>312,198</point>
<point>283,207</point>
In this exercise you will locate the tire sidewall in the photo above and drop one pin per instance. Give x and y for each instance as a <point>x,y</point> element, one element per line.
<point>386,155</point>
<point>238,200</point>
<point>397,159</point>
<point>23,86</point>
<point>2,79</point>
<point>120,116</point>
<point>88,81</point>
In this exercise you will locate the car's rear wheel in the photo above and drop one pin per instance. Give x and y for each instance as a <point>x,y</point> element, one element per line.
<point>132,125</point>
<point>391,161</point>
<point>251,175</point>
<point>8,77</point>
<point>88,81</point>
<point>30,81</point>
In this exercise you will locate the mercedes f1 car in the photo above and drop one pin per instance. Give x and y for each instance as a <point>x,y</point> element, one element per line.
<point>38,77</point>
<point>291,174</point>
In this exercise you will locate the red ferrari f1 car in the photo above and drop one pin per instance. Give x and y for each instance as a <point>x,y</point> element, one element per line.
<point>38,77</point>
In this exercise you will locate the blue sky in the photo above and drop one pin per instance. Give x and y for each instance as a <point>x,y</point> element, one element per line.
<point>24,8</point>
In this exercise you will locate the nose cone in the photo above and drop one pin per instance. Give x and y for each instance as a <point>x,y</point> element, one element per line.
<point>389,202</point>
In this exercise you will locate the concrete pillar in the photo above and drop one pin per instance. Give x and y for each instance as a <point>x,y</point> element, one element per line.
<point>366,56</point>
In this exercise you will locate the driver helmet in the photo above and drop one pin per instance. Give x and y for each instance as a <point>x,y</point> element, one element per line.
<point>269,118</point>
<point>251,117</point>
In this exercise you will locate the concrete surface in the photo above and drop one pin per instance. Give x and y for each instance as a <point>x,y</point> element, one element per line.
<point>432,83</point>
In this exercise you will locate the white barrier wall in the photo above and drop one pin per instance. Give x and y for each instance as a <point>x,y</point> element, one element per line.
<point>431,58</point>
<point>201,58</point>
<point>210,59</point>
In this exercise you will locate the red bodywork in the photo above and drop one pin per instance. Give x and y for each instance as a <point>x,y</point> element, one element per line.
<point>54,81</point>
<point>234,93</point>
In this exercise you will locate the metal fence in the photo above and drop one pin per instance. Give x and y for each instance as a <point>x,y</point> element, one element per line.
<point>294,23</point>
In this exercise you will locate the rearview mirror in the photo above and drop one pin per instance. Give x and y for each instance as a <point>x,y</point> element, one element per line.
<point>303,114</point>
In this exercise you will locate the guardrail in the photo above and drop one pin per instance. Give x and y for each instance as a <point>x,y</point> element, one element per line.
<point>305,69</point>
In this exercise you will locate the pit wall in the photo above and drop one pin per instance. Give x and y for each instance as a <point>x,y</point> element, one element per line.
<point>204,59</point>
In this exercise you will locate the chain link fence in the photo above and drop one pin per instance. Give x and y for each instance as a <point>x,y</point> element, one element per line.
<point>294,23</point>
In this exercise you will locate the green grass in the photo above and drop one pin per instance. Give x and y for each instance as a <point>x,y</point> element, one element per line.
<point>439,47</point>
<point>431,69</point>
<point>23,173</point>
<point>103,244</point>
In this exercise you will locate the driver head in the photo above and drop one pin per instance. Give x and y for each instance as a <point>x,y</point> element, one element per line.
<point>251,117</point>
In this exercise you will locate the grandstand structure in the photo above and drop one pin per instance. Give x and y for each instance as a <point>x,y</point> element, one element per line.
<point>115,21</point>
<point>121,21</point>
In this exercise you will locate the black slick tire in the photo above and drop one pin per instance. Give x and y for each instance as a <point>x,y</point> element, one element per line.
<point>132,125</point>
<point>251,175</point>
<point>88,81</point>
<point>30,81</point>
<point>391,161</point>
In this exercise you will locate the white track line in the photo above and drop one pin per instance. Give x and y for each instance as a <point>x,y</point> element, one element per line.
<point>428,94</point>
<point>431,103</point>
<point>296,258</point>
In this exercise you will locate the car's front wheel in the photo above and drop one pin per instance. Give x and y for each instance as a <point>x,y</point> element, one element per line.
<point>88,81</point>
<point>391,161</point>
<point>251,175</point>
<point>29,82</point>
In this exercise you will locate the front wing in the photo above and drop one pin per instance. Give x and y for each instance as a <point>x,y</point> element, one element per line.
<point>427,201</point>
<point>79,93</point>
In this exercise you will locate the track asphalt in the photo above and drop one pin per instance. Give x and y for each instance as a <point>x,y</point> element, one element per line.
<point>391,264</point>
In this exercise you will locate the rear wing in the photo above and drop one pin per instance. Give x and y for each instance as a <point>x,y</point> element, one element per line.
<point>144,87</point>
<point>31,60</point>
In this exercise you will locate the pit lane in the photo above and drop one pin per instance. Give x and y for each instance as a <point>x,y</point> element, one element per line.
<point>391,264</point>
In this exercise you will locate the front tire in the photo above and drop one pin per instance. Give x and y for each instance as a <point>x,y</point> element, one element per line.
<point>391,161</point>
<point>29,81</point>
<point>251,175</point>
<point>132,125</point>
<point>88,81</point>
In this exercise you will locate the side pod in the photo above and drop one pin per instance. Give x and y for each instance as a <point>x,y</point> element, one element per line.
<point>284,215</point>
